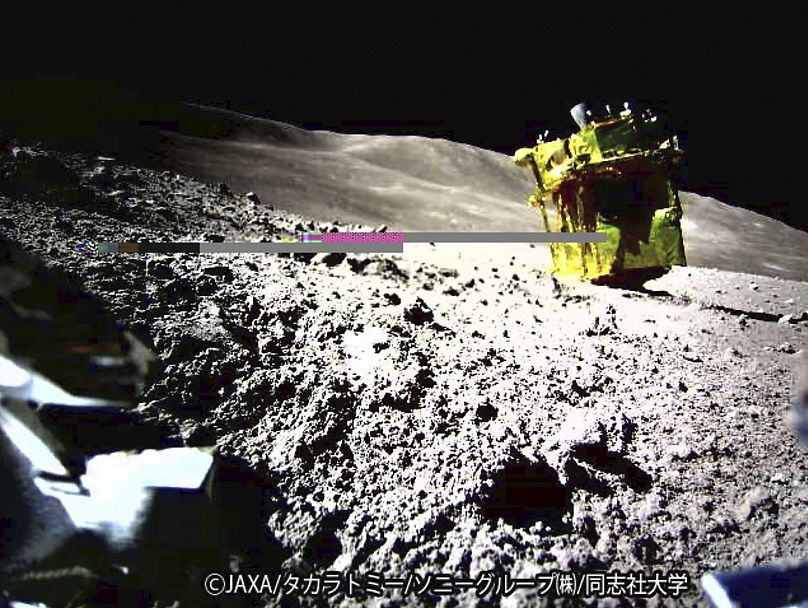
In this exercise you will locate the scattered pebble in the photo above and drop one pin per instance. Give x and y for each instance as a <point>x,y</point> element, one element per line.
<point>682,451</point>
<point>419,313</point>
<point>758,500</point>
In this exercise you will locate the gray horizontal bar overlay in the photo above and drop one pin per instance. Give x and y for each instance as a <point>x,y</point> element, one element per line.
<point>301,248</point>
<point>504,237</point>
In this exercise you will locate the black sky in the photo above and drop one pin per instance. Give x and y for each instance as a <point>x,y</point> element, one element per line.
<point>480,74</point>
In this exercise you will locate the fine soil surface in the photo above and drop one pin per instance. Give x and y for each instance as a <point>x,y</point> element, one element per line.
<point>450,409</point>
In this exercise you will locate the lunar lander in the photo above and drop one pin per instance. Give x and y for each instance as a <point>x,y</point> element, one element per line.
<point>615,176</point>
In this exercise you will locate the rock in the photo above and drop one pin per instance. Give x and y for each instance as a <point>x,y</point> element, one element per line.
<point>486,412</point>
<point>585,526</point>
<point>212,238</point>
<point>419,313</point>
<point>102,176</point>
<point>358,265</point>
<point>392,298</point>
<point>786,347</point>
<point>219,271</point>
<point>646,549</point>
<point>681,451</point>
<point>253,197</point>
<point>223,189</point>
<point>335,258</point>
<point>158,269</point>
<point>753,286</point>
<point>786,319</point>
<point>758,500</point>
<point>581,430</point>
<point>304,257</point>
<point>198,435</point>
<point>604,324</point>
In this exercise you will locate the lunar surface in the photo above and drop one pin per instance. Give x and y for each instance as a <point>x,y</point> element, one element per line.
<point>451,409</point>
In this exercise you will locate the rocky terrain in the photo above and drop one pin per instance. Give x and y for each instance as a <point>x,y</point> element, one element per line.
<point>450,409</point>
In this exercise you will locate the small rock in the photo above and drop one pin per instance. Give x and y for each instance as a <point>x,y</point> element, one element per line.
<point>419,313</point>
<point>304,257</point>
<point>646,549</point>
<point>252,196</point>
<point>604,324</point>
<point>212,238</point>
<point>358,265</point>
<point>756,501</point>
<point>486,412</point>
<point>159,270</point>
<point>198,435</point>
<point>219,271</point>
<point>335,258</point>
<point>753,286</point>
<point>682,451</point>
<point>786,319</point>
<point>786,347</point>
<point>223,189</point>
<point>392,298</point>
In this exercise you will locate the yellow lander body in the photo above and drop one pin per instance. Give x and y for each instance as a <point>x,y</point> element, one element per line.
<point>615,177</point>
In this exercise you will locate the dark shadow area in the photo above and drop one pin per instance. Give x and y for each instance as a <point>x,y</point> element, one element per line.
<point>97,431</point>
<point>525,493</point>
<point>245,500</point>
<point>615,464</point>
<point>324,546</point>
<point>643,290</point>
<point>632,279</point>
<point>757,316</point>
<point>102,116</point>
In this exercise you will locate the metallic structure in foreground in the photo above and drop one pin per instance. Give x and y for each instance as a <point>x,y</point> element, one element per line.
<point>616,177</point>
<point>81,527</point>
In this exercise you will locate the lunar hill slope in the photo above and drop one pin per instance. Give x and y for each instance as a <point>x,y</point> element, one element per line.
<point>445,410</point>
<point>418,183</point>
